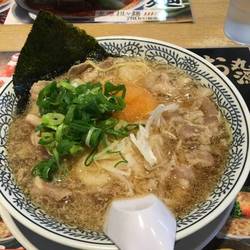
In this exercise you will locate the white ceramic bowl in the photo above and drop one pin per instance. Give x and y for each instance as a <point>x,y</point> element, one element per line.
<point>225,94</point>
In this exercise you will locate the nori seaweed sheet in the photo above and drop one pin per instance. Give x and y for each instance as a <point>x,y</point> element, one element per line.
<point>52,47</point>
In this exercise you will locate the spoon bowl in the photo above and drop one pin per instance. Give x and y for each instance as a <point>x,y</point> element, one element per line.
<point>140,223</point>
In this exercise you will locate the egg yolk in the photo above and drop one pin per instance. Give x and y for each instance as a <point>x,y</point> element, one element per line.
<point>139,103</point>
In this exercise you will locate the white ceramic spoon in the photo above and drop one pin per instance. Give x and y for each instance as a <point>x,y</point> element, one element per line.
<point>140,223</point>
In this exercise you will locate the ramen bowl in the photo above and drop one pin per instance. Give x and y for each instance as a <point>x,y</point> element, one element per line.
<point>236,171</point>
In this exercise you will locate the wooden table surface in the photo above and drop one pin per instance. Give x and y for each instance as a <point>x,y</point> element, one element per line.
<point>205,31</point>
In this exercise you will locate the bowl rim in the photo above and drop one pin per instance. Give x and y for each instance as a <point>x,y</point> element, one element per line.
<point>215,212</point>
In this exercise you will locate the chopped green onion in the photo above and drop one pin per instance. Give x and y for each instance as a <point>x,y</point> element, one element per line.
<point>111,89</point>
<point>75,149</point>
<point>59,132</point>
<point>90,157</point>
<point>123,160</point>
<point>74,118</point>
<point>56,157</point>
<point>131,126</point>
<point>70,114</point>
<point>93,137</point>
<point>45,169</point>
<point>52,119</point>
<point>46,138</point>
<point>66,84</point>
